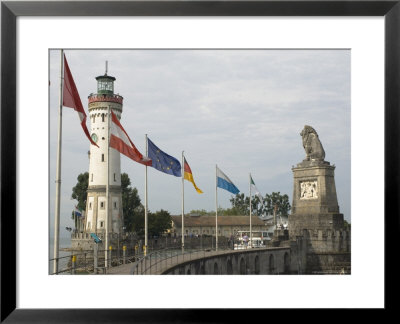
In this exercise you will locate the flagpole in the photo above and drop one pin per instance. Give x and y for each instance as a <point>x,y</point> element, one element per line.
<point>58,172</point>
<point>183,203</point>
<point>145,200</point>
<point>216,210</point>
<point>107,187</point>
<point>251,232</point>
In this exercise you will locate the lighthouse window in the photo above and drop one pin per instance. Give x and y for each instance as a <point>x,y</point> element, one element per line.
<point>105,85</point>
<point>101,224</point>
<point>102,158</point>
<point>115,205</point>
<point>90,205</point>
<point>94,118</point>
<point>102,204</point>
<point>102,117</point>
<point>114,178</point>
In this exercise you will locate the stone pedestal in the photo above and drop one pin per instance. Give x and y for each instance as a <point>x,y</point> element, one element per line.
<point>315,206</point>
<point>316,219</point>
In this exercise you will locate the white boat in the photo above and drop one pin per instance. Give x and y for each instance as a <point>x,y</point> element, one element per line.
<point>259,239</point>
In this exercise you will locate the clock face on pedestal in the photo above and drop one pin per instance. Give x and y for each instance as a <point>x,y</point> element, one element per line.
<point>94,137</point>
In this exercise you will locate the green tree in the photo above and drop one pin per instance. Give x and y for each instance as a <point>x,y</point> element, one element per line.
<point>138,221</point>
<point>132,208</point>
<point>228,212</point>
<point>159,222</point>
<point>201,212</point>
<point>280,201</point>
<point>79,192</point>
<point>241,205</point>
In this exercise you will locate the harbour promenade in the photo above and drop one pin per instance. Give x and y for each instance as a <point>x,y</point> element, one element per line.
<point>270,260</point>
<point>158,263</point>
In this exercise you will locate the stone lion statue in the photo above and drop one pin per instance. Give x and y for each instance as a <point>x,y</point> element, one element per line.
<point>312,144</point>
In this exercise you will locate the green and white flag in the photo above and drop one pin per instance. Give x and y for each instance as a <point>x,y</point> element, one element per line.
<point>255,190</point>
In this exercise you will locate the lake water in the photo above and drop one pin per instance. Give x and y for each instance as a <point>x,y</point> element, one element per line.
<point>65,242</point>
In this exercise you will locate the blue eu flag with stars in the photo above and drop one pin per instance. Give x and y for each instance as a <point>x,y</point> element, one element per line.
<point>162,161</point>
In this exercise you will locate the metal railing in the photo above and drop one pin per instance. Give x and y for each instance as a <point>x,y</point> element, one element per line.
<point>161,260</point>
<point>84,262</point>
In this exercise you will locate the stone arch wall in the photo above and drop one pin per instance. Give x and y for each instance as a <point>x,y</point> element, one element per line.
<point>267,261</point>
<point>271,264</point>
<point>242,266</point>
<point>256,265</point>
<point>229,267</point>
<point>286,263</point>
<point>216,270</point>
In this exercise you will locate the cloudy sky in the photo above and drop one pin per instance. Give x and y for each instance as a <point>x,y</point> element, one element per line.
<point>240,109</point>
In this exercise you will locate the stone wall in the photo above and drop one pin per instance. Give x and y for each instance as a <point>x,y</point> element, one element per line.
<point>253,261</point>
<point>329,263</point>
<point>314,222</point>
<point>321,198</point>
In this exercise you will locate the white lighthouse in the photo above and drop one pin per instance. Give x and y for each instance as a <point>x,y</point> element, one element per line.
<point>102,159</point>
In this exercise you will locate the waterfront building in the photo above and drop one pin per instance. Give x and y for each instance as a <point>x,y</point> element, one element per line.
<point>227,225</point>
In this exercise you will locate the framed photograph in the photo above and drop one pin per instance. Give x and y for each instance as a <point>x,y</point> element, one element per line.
<point>331,64</point>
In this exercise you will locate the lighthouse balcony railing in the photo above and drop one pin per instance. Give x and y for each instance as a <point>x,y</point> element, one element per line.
<point>80,235</point>
<point>96,97</point>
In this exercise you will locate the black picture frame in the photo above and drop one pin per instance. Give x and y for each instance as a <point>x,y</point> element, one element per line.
<point>10,10</point>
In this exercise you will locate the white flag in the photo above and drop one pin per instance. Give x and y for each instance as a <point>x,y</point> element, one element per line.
<point>255,190</point>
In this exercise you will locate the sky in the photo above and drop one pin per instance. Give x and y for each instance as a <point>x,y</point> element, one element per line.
<point>240,109</point>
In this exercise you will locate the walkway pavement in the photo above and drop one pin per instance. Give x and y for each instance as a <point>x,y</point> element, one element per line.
<point>124,269</point>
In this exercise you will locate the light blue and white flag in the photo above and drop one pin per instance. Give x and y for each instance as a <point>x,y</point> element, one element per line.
<point>225,183</point>
<point>77,212</point>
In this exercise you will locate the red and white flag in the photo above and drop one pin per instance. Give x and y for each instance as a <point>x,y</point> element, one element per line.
<point>120,141</point>
<point>71,98</point>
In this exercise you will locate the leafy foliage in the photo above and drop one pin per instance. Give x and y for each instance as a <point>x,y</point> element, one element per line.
<point>159,222</point>
<point>202,212</point>
<point>137,224</point>
<point>79,192</point>
<point>240,205</point>
<point>280,201</point>
<point>132,208</point>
